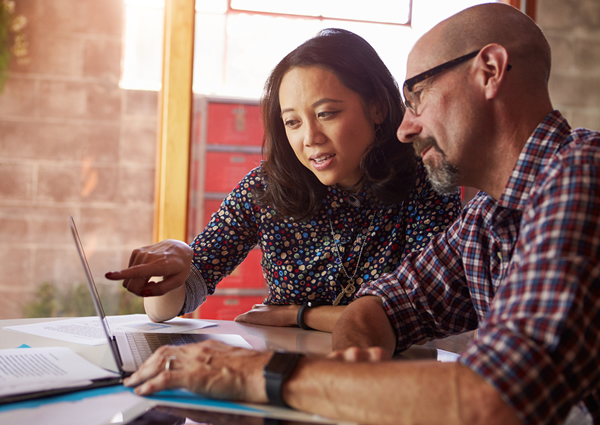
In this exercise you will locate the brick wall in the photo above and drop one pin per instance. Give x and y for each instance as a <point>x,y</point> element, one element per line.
<point>71,142</point>
<point>573,30</point>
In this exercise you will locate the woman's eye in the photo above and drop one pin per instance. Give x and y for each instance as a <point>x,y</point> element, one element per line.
<point>290,123</point>
<point>326,114</point>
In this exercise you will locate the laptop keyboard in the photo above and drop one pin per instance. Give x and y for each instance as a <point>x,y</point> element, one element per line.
<point>143,345</point>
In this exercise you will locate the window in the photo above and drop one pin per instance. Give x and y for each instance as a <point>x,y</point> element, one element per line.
<point>238,42</point>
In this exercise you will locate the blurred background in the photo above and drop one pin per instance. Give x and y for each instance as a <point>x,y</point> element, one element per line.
<point>79,117</point>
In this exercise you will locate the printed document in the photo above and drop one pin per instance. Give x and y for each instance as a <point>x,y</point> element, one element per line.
<point>88,330</point>
<point>28,370</point>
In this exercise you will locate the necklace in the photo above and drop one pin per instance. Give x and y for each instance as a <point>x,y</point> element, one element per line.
<point>350,288</point>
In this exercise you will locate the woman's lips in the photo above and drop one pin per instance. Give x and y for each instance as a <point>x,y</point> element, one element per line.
<point>322,161</point>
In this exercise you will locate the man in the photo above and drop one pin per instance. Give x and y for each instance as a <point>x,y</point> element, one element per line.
<point>520,265</point>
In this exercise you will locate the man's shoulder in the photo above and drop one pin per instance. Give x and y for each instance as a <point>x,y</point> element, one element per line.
<point>583,147</point>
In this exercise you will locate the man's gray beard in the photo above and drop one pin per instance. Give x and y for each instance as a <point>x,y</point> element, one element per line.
<point>443,178</point>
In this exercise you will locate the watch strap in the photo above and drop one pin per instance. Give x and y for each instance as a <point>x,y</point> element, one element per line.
<point>280,367</point>
<point>300,317</point>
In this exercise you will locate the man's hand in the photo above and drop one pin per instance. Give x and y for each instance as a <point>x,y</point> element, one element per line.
<point>210,368</point>
<point>271,315</point>
<point>356,354</point>
<point>169,259</point>
<point>364,324</point>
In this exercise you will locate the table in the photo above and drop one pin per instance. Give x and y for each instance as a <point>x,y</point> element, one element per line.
<point>259,337</point>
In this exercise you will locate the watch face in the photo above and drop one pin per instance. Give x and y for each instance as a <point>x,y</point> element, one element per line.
<point>279,368</point>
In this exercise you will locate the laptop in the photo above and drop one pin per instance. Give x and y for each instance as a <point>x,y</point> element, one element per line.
<point>131,349</point>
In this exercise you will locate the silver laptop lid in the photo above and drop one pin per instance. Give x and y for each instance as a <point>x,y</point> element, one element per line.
<point>94,292</point>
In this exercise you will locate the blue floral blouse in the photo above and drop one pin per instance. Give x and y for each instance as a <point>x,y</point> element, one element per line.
<point>353,238</point>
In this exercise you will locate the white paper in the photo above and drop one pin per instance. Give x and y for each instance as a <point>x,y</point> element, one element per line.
<point>446,356</point>
<point>88,330</point>
<point>24,370</point>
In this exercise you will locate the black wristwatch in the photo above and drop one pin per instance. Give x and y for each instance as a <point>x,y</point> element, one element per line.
<point>303,307</point>
<point>277,371</point>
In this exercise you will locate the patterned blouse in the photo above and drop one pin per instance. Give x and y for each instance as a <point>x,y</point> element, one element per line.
<point>353,238</point>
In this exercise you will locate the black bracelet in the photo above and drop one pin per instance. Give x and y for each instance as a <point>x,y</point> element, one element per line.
<point>300,318</point>
<point>279,368</point>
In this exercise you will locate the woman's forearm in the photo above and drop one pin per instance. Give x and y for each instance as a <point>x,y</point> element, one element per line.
<point>323,318</point>
<point>165,307</point>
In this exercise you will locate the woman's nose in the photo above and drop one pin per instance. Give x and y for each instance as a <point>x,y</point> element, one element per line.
<point>313,134</point>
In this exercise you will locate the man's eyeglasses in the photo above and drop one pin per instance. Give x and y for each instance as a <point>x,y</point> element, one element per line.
<point>412,99</point>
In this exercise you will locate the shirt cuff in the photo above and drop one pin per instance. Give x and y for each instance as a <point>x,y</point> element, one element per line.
<point>195,291</point>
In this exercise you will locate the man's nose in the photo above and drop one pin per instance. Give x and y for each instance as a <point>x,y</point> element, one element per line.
<point>409,128</point>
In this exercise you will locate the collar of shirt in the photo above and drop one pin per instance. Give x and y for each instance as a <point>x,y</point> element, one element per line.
<point>337,197</point>
<point>549,137</point>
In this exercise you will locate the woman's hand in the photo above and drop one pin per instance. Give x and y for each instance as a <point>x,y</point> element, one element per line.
<point>210,368</point>
<point>169,259</point>
<point>271,315</point>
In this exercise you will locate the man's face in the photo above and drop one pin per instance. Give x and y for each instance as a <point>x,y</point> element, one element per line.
<point>430,130</point>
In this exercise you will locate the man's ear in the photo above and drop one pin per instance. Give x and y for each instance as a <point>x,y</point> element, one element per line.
<point>493,64</point>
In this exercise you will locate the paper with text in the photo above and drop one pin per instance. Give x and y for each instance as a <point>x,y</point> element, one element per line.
<point>25,370</point>
<point>88,330</point>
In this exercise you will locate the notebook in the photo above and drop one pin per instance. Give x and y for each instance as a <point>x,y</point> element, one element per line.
<point>130,349</point>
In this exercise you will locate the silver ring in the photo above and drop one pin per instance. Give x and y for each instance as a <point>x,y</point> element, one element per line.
<point>170,360</point>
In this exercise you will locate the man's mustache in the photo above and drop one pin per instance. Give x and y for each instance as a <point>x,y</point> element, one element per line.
<point>420,144</point>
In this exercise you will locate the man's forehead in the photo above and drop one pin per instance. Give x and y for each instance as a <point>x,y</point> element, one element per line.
<point>420,60</point>
<point>425,54</point>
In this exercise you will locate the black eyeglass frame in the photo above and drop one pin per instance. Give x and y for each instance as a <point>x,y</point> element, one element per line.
<point>410,83</point>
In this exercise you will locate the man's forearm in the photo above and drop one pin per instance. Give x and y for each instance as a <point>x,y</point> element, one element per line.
<point>364,324</point>
<point>396,392</point>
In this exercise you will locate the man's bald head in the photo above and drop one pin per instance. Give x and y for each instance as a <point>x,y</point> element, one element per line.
<point>478,26</point>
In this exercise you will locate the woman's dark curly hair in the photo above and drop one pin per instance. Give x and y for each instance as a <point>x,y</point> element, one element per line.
<point>388,166</point>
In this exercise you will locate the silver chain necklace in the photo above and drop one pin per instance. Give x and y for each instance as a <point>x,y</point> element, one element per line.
<point>350,288</point>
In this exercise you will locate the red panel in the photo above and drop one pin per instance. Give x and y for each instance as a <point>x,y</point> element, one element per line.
<point>218,307</point>
<point>248,274</point>
<point>234,124</point>
<point>210,206</point>
<point>224,170</point>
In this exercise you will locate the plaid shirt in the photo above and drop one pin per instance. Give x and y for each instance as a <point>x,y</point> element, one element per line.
<point>523,269</point>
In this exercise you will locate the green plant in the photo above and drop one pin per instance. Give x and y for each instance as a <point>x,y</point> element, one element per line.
<point>13,41</point>
<point>5,16</point>
<point>75,301</point>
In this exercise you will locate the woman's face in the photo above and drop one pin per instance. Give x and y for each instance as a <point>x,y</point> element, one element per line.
<point>327,124</point>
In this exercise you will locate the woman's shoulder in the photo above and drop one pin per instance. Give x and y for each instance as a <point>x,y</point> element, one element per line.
<point>254,178</point>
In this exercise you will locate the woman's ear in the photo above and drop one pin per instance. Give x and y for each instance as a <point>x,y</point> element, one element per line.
<point>493,62</point>
<point>379,111</point>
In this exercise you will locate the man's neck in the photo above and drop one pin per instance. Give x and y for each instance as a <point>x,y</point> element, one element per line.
<point>510,138</point>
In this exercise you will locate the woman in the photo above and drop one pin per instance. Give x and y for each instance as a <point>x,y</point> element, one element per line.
<point>337,201</point>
